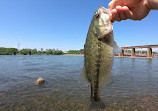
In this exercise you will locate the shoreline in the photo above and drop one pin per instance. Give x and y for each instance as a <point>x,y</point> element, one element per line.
<point>114,56</point>
<point>83,55</point>
<point>73,55</point>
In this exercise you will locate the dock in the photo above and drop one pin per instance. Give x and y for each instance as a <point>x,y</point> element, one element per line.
<point>125,51</point>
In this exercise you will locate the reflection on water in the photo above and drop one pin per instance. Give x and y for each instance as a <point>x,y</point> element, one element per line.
<point>134,86</point>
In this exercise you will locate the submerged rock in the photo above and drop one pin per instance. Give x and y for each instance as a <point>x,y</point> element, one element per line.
<point>39,81</point>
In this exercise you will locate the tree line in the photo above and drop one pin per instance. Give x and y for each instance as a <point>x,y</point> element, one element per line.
<point>81,51</point>
<point>27,51</point>
<point>7,51</point>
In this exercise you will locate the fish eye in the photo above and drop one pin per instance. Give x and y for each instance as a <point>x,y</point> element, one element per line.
<point>97,15</point>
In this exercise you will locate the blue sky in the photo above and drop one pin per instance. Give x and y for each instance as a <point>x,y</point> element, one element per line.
<point>64,24</point>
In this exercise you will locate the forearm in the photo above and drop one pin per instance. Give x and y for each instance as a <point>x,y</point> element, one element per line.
<point>153,4</point>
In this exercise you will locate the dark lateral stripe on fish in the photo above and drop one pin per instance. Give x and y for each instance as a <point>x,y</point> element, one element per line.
<point>95,96</point>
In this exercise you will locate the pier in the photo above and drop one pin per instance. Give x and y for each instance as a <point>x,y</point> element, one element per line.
<point>132,53</point>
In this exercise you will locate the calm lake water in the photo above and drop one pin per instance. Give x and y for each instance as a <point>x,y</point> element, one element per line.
<point>134,86</point>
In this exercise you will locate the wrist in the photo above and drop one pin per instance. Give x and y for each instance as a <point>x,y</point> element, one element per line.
<point>152,4</point>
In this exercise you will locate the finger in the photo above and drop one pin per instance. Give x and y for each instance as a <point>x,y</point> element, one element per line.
<point>120,12</point>
<point>128,14</point>
<point>115,15</point>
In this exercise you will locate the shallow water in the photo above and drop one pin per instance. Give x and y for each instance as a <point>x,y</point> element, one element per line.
<point>134,86</point>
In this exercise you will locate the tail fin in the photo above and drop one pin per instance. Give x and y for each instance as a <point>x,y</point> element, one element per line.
<point>99,105</point>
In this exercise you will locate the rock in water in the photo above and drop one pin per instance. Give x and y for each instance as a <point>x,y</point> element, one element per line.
<point>39,81</point>
<point>99,52</point>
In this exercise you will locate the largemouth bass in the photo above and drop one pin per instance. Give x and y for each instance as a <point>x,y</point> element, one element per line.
<point>99,51</point>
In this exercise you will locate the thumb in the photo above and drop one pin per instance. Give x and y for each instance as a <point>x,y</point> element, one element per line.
<point>111,5</point>
<point>110,17</point>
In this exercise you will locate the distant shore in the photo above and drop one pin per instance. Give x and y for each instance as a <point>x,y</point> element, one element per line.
<point>114,56</point>
<point>73,54</point>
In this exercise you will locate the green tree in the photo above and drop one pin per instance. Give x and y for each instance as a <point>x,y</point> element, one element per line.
<point>7,51</point>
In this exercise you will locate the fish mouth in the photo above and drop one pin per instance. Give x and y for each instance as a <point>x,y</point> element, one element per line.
<point>105,30</point>
<point>104,9</point>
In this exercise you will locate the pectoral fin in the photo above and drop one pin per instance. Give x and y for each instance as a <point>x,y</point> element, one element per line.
<point>117,49</point>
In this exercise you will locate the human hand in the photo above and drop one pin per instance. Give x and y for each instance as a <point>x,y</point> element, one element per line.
<point>128,9</point>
